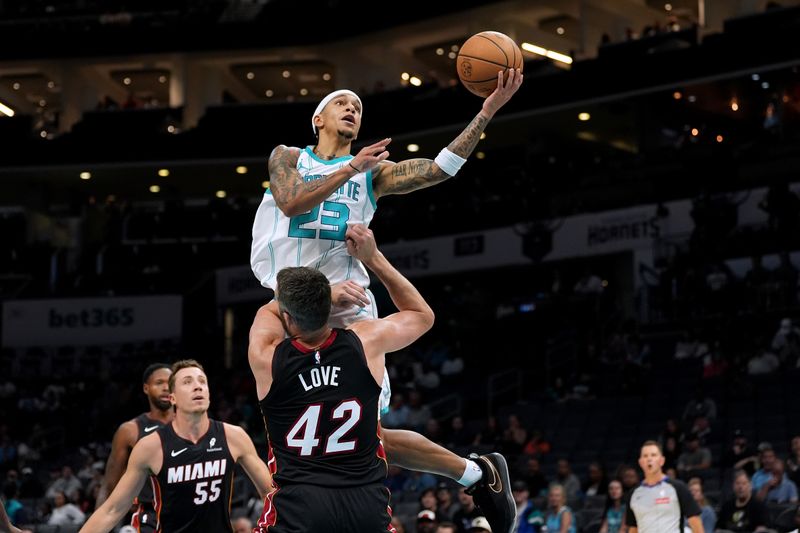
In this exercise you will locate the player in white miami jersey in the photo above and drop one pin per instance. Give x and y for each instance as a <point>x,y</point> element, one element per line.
<point>315,193</point>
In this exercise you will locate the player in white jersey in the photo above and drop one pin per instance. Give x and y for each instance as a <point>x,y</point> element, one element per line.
<point>315,193</point>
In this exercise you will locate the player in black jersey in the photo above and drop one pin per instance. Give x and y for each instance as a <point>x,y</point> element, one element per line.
<point>319,391</point>
<point>190,463</point>
<point>155,385</point>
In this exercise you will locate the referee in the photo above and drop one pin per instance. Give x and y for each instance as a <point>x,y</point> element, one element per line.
<point>660,504</point>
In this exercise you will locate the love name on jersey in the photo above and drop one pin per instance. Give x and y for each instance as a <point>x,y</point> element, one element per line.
<point>319,376</point>
<point>202,470</point>
<point>349,188</point>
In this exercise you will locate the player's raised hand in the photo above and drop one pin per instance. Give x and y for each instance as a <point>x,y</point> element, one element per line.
<point>348,293</point>
<point>360,242</point>
<point>504,92</point>
<point>369,156</point>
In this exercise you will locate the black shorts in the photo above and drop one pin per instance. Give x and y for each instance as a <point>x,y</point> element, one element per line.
<point>307,508</point>
<point>145,519</point>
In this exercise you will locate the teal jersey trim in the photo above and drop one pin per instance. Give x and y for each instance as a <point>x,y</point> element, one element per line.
<point>271,249</point>
<point>370,191</point>
<point>314,156</point>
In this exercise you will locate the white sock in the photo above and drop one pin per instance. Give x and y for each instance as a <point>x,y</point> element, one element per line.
<point>472,473</point>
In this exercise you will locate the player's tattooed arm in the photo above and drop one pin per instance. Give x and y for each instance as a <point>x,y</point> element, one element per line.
<point>413,174</point>
<point>292,194</point>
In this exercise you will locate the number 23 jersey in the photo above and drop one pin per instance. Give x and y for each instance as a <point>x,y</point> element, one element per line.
<point>315,238</point>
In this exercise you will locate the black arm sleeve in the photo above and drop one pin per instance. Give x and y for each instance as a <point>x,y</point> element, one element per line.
<point>630,518</point>
<point>689,507</point>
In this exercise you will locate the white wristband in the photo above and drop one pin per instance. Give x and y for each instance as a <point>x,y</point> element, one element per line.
<point>449,162</point>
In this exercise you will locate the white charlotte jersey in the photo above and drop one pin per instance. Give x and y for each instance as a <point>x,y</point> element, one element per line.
<point>314,238</point>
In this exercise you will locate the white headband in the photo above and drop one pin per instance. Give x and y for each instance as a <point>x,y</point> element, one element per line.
<point>327,99</point>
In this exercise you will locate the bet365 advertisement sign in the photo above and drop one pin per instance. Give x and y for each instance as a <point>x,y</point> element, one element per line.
<point>85,321</point>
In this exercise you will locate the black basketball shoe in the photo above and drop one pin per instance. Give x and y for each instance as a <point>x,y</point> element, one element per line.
<point>492,493</point>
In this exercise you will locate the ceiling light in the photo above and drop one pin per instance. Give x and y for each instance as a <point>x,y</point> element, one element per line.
<point>126,80</point>
<point>734,105</point>
<point>15,86</point>
<point>483,135</point>
<point>241,170</point>
<point>412,147</point>
<point>719,138</point>
<point>692,98</point>
<point>538,50</point>
<point>43,134</point>
<point>286,73</point>
<point>764,85</point>
<point>250,75</point>
<point>667,7</point>
<point>695,132</point>
<point>440,51</point>
<point>162,79</point>
<point>220,194</point>
<point>265,184</point>
<point>583,117</point>
<point>454,48</point>
<point>269,93</point>
<point>755,77</point>
<point>51,84</point>
<point>303,91</point>
<point>86,175</point>
<point>480,155</point>
<point>451,55</point>
<point>5,110</point>
<point>171,128</point>
<point>42,102</point>
<point>163,172</point>
<point>326,77</point>
<point>405,76</point>
<point>415,81</point>
<point>155,189</point>
<point>560,30</point>
<point>677,95</point>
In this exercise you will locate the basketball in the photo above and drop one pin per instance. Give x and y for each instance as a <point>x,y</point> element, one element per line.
<point>482,56</point>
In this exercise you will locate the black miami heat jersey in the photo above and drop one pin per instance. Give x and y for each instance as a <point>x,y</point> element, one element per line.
<point>193,488</point>
<point>146,426</point>
<point>321,415</point>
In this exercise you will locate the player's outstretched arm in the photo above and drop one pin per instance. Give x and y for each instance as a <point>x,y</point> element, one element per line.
<point>145,459</point>
<point>244,453</point>
<point>412,174</point>
<point>265,334</point>
<point>124,439</point>
<point>294,196</point>
<point>414,316</point>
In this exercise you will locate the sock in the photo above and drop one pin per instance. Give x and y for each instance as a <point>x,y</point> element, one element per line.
<point>472,473</point>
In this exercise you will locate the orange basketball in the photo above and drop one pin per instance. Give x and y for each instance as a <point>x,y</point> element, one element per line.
<point>482,56</point>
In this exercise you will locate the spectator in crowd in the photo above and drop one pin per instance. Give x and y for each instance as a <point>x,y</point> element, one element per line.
<point>671,429</point>
<point>514,437</point>
<point>743,513</point>
<point>630,479</point>
<point>533,476</point>
<point>614,513</point>
<point>529,518</point>
<point>447,507</point>
<point>14,508</point>
<point>741,455</point>
<point>397,417</point>
<point>787,332</point>
<point>778,488</point>
<point>459,436</point>
<point>695,459</point>
<point>467,513</point>
<point>767,458</point>
<point>702,428</point>
<point>447,527</point>
<point>700,405</point>
<point>428,501</point>
<point>559,517</point>
<point>397,524</point>
<point>671,452</point>
<point>242,525</point>
<point>793,462</point>
<point>707,514</point>
<point>426,521</point>
<point>30,486</point>
<point>596,482</point>
<point>66,483</point>
<point>418,413</point>
<point>452,366</point>
<point>762,364</point>
<point>537,445</point>
<point>396,479</point>
<point>480,525</point>
<point>568,481</point>
<point>65,513</point>
<point>490,435</point>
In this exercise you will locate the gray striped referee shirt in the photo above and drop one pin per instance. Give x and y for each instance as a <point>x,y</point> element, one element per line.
<point>661,508</point>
